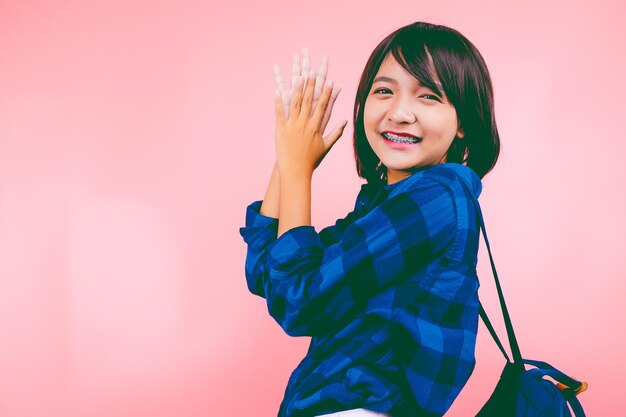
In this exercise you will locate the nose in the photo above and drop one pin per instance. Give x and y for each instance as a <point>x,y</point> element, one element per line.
<point>400,112</point>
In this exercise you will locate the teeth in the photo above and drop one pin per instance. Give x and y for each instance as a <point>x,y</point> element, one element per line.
<point>399,139</point>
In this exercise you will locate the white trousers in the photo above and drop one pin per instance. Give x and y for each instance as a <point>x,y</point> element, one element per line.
<point>356,412</point>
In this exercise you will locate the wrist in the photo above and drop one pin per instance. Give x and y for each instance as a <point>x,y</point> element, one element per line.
<point>295,170</point>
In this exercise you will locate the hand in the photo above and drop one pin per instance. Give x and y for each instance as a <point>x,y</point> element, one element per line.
<point>299,143</point>
<point>302,69</point>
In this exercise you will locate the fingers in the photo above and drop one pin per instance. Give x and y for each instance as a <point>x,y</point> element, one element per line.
<point>324,103</point>
<point>334,136</point>
<point>295,70</point>
<point>319,81</point>
<point>278,107</point>
<point>307,100</point>
<point>331,102</point>
<point>284,93</point>
<point>306,62</point>
<point>321,76</point>
<point>296,99</point>
<point>304,69</point>
<point>280,84</point>
<point>286,97</point>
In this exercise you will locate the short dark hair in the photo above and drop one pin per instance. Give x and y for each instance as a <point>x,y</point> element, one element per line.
<point>465,81</point>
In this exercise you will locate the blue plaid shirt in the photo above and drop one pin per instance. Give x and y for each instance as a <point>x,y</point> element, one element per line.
<point>388,294</point>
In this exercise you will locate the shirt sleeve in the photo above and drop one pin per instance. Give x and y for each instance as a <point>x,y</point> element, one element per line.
<point>332,234</point>
<point>312,289</point>
<point>260,232</point>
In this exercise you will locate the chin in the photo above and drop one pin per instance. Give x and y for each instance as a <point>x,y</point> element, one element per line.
<point>402,166</point>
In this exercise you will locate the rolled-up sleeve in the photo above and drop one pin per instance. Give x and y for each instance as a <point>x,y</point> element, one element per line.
<point>260,232</point>
<point>312,289</point>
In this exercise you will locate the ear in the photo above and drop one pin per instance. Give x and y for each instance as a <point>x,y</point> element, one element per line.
<point>460,133</point>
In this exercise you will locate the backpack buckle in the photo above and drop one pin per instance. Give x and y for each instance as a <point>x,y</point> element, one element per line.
<point>583,387</point>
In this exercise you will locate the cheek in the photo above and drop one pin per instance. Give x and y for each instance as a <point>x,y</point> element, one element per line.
<point>452,119</point>
<point>372,110</point>
<point>444,123</point>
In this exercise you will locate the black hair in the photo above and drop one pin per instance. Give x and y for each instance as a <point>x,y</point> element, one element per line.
<point>422,48</point>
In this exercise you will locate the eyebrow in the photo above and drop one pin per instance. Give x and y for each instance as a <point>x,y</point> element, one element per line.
<point>391,80</point>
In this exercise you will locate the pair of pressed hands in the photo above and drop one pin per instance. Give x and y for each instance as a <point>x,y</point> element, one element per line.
<point>302,113</point>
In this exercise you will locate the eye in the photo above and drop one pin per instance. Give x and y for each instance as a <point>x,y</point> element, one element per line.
<point>381,89</point>
<point>430,95</point>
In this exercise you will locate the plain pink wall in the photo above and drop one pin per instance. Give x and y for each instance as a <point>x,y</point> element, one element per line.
<point>133,135</point>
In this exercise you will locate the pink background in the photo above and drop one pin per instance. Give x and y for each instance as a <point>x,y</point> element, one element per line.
<point>134,134</point>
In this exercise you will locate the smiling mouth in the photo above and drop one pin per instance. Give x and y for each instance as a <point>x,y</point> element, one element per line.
<point>400,139</point>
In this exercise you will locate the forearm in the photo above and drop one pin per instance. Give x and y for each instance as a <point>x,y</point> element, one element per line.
<point>295,200</point>
<point>270,205</point>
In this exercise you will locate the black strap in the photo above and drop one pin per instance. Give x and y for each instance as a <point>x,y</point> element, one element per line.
<point>517,356</point>
<point>493,333</point>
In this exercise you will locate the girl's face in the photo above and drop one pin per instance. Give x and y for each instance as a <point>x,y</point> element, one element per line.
<point>397,103</point>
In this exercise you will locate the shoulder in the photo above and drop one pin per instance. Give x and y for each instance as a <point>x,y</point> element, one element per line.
<point>456,179</point>
<point>444,193</point>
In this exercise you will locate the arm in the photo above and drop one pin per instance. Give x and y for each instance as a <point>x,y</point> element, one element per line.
<point>295,204</point>
<point>261,226</point>
<point>267,226</point>
<point>260,232</point>
<point>271,201</point>
<point>311,289</point>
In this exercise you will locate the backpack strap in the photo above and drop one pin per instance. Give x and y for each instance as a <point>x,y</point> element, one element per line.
<point>576,406</point>
<point>483,315</point>
<point>567,383</point>
<point>555,373</point>
<point>517,356</point>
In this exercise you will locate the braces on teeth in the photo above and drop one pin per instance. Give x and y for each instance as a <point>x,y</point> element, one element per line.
<point>394,138</point>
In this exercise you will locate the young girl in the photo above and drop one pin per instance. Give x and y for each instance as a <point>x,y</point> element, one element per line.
<point>388,293</point>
